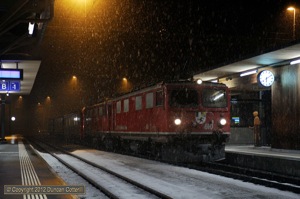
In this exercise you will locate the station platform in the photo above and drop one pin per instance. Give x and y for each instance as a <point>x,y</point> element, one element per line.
<point>285,162</point>
<point>21,170</point>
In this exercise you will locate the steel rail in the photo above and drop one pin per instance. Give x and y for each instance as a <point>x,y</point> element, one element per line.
<point>105,191</point>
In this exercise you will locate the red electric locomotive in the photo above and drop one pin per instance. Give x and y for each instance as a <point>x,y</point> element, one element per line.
<point>181,121</point>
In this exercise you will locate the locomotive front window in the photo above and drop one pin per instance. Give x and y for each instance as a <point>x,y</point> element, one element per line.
<point>214,98</point>
<point>184,98</point>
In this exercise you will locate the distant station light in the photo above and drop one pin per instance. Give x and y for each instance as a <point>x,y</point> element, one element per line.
<point>11,74</point>
<point>248,73</point>
<point>30,28</point>
<point>295,62</point>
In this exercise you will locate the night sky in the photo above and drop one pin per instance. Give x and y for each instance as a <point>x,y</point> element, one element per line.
<point>147,41</point>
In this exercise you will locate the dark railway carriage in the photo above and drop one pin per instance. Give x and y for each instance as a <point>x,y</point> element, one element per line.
<point>180,119</point>
<point>55,126</point>
<point>66,128</point>
<point>96,123</point>
<point>72,126</point>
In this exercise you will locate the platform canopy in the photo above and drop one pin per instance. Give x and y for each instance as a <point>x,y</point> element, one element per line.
<point>276,57</point>
<point>30,70</point>
<point>22,27</point>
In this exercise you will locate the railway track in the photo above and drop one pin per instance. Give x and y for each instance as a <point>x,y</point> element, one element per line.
<point>268,179</point>
<point>259,177</point>
<point>112,184</point>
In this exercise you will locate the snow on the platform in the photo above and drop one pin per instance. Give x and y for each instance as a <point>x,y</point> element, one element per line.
<point>177,182</point>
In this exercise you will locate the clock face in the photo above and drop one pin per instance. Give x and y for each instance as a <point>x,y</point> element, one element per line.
<point>266,78</point>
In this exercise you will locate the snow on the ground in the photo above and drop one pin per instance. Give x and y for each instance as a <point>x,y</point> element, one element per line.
<point>174,181</point>
<point>72,178</point>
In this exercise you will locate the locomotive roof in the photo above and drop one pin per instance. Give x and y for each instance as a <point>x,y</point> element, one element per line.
<point>155,86</point>
<point>161,84</point>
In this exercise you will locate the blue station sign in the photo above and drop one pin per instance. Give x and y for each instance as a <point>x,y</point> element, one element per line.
<point>11,74</point>
<point>10,86</point>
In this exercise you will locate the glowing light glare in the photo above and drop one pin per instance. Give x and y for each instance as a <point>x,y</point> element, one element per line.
<point>13,118</point>
<point>199,81</point>
<point>76,119</point>
<point>223,121</point>
<point>177,121</point>
<point>30,28</point>
<point>295,62</point>
<point>248,73</point>
<point>80,7</point>
<point>291,8</point>
<point>81,1</point>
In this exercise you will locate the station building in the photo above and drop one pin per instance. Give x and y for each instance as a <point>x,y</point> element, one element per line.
<point>270,84</point>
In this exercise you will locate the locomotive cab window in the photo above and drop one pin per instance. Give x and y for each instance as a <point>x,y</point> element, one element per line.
<point>184,98</point>
<point>214,98</point>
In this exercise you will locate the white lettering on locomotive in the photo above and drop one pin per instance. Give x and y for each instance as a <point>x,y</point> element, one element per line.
<point>209,126</point>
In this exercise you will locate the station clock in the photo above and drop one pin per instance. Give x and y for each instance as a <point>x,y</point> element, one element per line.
<point>266,78</point>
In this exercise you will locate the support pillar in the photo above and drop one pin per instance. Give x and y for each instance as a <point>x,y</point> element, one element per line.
<point>3,140</point>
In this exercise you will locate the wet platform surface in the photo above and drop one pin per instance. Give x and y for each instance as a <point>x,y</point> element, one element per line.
<point>21,166</point>
<point>286,162</point>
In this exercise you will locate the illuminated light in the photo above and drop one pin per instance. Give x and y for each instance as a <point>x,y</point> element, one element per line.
<point>295,62</point>
<point>76,119</point>
<point>248,73</point>
<point>223,121</point>
<point>30,28</point>
<point>199,81</point>
<point>13,118</point>
<point>74,77</point>
<point>214,81</point>
<point>291,8</point>
<point>177,121</point>
<point>218,96</point>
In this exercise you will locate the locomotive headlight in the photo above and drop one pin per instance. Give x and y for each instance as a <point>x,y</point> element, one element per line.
<point>223,121</point>
<point>177,121</point>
